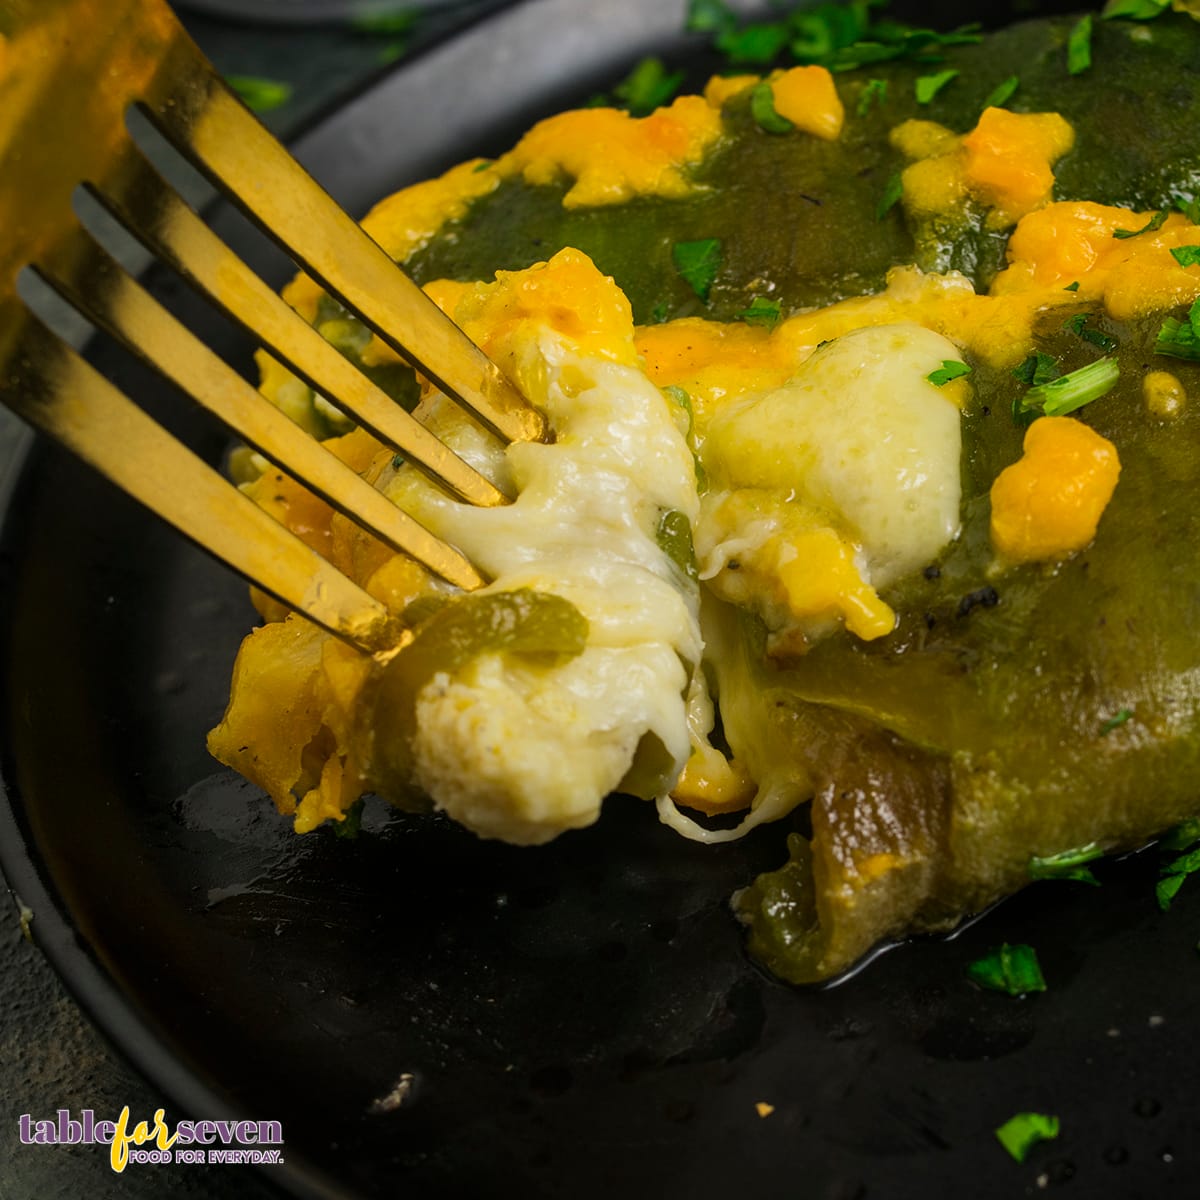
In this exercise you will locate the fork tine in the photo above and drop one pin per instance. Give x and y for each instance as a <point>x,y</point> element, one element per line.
<point>90,279</point>
<point>195,111</point>
<point>134,192</point>
<point>51,387</point>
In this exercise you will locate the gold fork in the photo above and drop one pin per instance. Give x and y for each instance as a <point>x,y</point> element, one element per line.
<point>70,72</point>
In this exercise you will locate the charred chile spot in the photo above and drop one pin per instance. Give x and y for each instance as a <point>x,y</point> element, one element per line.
<point>932,572</point>
<point>984,597</point>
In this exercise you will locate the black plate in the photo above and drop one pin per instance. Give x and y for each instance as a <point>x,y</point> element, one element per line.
<point>579,1019</point>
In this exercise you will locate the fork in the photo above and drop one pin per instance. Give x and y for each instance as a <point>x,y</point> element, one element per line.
<point>71,71</point>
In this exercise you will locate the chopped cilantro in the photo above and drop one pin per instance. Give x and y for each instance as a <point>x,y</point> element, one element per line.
<point>820,31</point>
<point>1172,876</point>
<point>260,95</point>
<point>1072,287</point>
<point>761,312</point>
<point>647,87</point>
<point>892,191</point>
<point>1189,208</point>
<point>1011,969</point>
<point>1078,325</point>
<point>1037,369</point>
<point>709,16</point>
<point>1079,46</point>
<point>1115,721</point>
<point>698,263</point>
<point>1019,1134</point>
<point>481,165</point>
<point>1002,93</point>
<point>950,369</point>
<point>874,93</point>
<point>658,314</point>
<point>1073,391</point>
<point>1186,256</point>
<point>754,43</point>
<point>1154,223</point>
<point>762,109</point>
<point>1180,339</point>
<point>1068,864</point>
<point>928,86</point>
<point>1133,10</point>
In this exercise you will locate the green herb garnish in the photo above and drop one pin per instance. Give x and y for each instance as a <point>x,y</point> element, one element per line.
<point>1154,223</point>
<point>892,191</point>
<point>1002,92</point>
<point>1186,256</point>
<point>1019,1134</point>
<point>755,43</point>
<point>1115,721</point>
<point>1078,325</point>
<point>1173,875</point>
<point>762,109</point>
<point>1133,10</point>
<point>1013,970</point>
<point>1073,391</point>
<point>647,87</point>
<point>1189,208</point>
<point>658,314</point>
<point>874,93</point>
<point>260,95</point>
<point>709,16</point>
<point>1068,864</point>
<point>1079,46</point>
<point>928,86</point>
<point>1037,369</point>
<point>761,312</point>
<point>950,369</point>
<point>698,263</point>
<point>1180,339</point>
<point>1072,287</point>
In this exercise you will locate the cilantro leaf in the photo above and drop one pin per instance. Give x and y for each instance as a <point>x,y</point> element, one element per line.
<point>1172,876</point>
<point>928,86</point>
<point>1019,1134</point>
<point>1070,392</point>
<point>709,16</point>
<point>1078,325</point>
<point>1072,287</point>
<point>698,262</point>
<point>260,95</point>
<point>761,312</point>
<point>1068,864</point>
<point>762,109</point>
<point>1079,46</point>
<point>755,43</point>
<point>647,87</point>
<point>1189,208</point>
<point>1180,339</point>
<point>1154,223</point>
<point>1186,256</point>
<point>1115,721</point>
<point>892,191</point>
<point>950,369</point>
<point>1037,369</point>
<point>874,93</point>
<point>1002,92</point>
<point>1133,10</point>
<point>1013,970</point>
